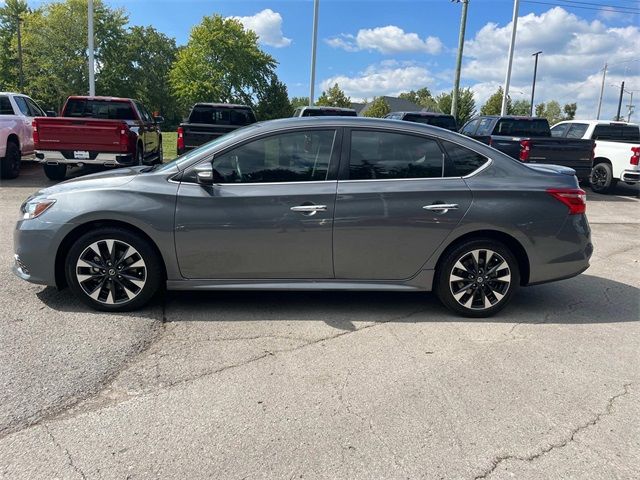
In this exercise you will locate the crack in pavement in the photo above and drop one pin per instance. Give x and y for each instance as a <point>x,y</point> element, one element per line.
<point>496,461</point>
<point>66,453</point>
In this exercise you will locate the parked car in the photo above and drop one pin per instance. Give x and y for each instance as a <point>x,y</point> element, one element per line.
<point>441,120</point>
<point>317,111</point>
<point>105,131</point>
<point>312,204</point>
<point>16,132</point>
<point>529,140</point>
<point>208,121</point>
<point>616,153</point>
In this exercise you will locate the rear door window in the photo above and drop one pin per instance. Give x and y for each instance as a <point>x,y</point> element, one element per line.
<point>560,130</point>
<point>384,155</point>
<point>470,128</point>
<point>35,110</point>
<point>5,106</point>
<point>577,130</point>
<point>484,128</point>
<point>22,105</point>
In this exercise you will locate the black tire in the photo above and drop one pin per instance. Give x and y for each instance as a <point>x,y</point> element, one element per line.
<point>114,293</point>
<point>160,158</point>
<point>601,179</point>
<point>496,288</point>
<point>10,164</point>
<point>55,172</point>
<point>139,155</point>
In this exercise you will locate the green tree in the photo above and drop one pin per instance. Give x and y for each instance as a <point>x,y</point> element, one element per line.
<point>551,111</point>
<point>55,51</point>
<point>334,97</point>
<point>221,63</point>
<point>466,104</point>
<point>274,101</point>
<point>299,102</point>
<point>494,104</point>
<point>10,13</point>
<point>570,111</point>
<point>520,107</point>
<point>421,97</point>
<point>378,108</point>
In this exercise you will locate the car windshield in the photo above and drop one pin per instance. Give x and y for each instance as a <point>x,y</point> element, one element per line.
<point>206,148</point>
<point>437,121</point>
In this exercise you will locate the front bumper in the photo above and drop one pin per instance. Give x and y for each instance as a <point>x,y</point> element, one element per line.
<point>66,157</point>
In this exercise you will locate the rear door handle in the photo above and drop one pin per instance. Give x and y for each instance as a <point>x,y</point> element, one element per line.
<point>309,210</point>
<point>441,207</point>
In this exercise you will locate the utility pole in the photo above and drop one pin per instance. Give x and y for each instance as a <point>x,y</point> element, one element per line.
<point>314,40</point>
<point>533,87</point>
<point>92,78</point>
<point>456,85</point>
<point>618,117</point>
<point>630,111</point>
<point>20,70</point>
<point>604,75</point>
<point>507,78</point>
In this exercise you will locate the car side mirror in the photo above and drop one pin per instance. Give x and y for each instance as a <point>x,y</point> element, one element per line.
<point>158,119</point>
<point>51,113</point>
<point>207,175</point>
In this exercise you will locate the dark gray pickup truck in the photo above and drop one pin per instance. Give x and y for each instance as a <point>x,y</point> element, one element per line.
<point>529,140</point>
<point>208,121</point>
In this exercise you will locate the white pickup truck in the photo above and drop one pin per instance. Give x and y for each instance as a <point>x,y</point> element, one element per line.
<point>617,150</point>
<point>16,131</point>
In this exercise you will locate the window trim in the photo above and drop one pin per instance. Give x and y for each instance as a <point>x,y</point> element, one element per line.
<point>334,160</point>
<point>345,160</point>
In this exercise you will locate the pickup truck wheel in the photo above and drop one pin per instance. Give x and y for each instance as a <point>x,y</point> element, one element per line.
<point>55,172</point>
<point>139,156</point>
<point>601,179</point>
<point>113,269</point>
<point>477,278</point>
<point>160,158</point>
<point>10,164</point>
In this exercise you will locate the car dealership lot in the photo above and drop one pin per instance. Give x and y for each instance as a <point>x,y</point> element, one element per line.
<point>326,385</point>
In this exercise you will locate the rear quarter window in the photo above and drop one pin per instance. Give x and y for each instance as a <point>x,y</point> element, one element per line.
<point>462,161</point>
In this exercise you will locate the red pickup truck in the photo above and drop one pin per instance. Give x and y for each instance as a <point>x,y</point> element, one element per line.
<point>105,131</point>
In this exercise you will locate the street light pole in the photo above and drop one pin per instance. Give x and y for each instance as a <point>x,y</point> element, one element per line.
<point>620,101</point>
<point>92,79</point>
<point>604,75</point>
<point>314,40</point>
<point>533,87</point>
<point>456,85</point>
<point>507,78</point>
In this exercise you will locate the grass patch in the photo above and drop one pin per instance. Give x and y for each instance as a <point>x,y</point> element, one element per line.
<point>169,140</point>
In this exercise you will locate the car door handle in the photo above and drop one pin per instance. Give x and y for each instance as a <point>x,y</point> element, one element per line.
<point>309,209</point>
<point>441,207</point>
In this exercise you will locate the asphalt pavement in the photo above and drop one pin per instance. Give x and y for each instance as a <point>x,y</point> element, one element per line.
<point>348,385</point>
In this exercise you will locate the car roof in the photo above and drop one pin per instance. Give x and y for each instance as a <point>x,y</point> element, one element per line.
<point>14,93</point>
<point>99,97</point>
<point>511,117</point>
<point>221,105</point>
<point>600,122</point>
<point>321,107</point>
<point>423,114</point>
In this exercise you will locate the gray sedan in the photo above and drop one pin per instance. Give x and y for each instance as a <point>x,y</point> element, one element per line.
<point>312,204</point>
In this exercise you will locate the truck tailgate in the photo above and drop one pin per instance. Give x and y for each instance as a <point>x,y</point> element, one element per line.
<point>80,134</point>
<point>561,151</point>
<point>196,134</point>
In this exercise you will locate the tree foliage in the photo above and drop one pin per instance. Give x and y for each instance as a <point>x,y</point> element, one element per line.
<point>421,97</point>
<point>466,104</point>
<point>493,106</point>
<point>553,113</point>
<point>520,107</point>
<point>570,110</point>
<point>274,101</point>
<point>299,102</point>
<point>221,63</point>
<point>378,108</point>
<point>334,97</point>
<point>11,13</point>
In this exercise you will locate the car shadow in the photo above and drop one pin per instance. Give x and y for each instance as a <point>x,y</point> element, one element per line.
<point>585,299</point>
<point>620,193</point>
<point>32,175</point>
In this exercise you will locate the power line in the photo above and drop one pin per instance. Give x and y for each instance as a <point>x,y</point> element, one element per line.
<point>616,10</point>
<point>601,5</point>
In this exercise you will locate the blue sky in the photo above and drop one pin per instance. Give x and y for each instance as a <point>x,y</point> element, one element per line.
<point>383,47</point>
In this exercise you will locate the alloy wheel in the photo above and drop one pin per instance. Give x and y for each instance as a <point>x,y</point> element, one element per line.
<point>599,176</point>
<point>480,279</point>
<point>111,272</point>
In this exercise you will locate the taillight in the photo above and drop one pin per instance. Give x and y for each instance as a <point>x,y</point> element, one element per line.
<point>635,155</point>
<point>36,135</point>
<point>180,139</point>
<point>525,150</point>
<point>574,198</point>
<point>124,136</point>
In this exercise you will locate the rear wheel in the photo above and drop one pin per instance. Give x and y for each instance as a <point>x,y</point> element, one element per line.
<point>477,278</point>
<point>139,155</point>
<point>10,164</point>
<point>601,179</point>
<point>160,158</point>
<point>113,269</point>
<point>55,172</point>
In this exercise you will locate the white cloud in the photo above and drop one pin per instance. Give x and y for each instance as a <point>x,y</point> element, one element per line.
<point>268,25</point>
<point>386,78</point>
<point>569,69</point>
<point>386,40</point>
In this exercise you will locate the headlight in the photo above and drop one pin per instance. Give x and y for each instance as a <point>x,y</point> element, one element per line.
<point>36,207</point>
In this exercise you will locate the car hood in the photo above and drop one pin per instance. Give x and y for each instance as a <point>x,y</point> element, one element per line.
<point>108,179</point>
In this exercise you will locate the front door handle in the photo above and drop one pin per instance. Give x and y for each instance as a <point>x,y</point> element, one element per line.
<point>309,210</point>
<point>441,207</point>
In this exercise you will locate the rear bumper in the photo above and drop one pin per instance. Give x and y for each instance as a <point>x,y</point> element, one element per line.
<point>54,157</point>
<point>630,176</point>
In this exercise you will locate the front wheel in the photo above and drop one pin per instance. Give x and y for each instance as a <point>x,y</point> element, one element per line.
<point>55,172</point>
<point>477,278</point>
<point>601,179</point>
<point>113,269</point>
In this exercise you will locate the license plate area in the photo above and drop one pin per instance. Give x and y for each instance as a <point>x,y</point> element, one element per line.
<point>81,155</point>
